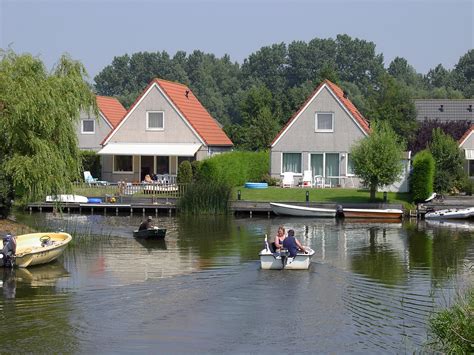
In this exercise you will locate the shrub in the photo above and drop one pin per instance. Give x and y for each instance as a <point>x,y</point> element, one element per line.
<point>91,162</point>
<point>467,186</point>
<point>204,197</point>
<point>185,173</point>
<point>453,328</point>
<point>422,176</point>
<point>269,180</point>
<point>196,167</point>
<point>235,168</point>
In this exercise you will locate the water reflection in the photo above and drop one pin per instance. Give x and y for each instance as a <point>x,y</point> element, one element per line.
<point>370,288</point>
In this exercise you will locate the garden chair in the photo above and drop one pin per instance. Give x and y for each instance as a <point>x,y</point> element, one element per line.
<point>318,181</point>
<point>89,179</point>
<point>307,179</point>
<point>288,179</point>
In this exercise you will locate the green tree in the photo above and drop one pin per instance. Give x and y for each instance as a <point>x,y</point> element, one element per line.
<point>378,158</point>
<point>43,158</point>
<point>422,176</point>
<point>464,74</point>
<point>448,160</point>
<point>185,173</point>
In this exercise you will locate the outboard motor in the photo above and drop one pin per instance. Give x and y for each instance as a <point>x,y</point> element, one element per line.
<point>339,211</point>
<point>7,254</point>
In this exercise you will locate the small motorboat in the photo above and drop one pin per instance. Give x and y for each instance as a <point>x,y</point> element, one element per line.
<point>455,213</point>
<point>388,213</point>
<point>281,260</point>
<point>67,199</point>
<point>150,233</point>
<point>301,211</point>
<point>33,249</point>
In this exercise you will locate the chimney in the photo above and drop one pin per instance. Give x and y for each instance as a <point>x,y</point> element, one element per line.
<point>186,93</point>
<point>345,94</point>
<point>441,108</point>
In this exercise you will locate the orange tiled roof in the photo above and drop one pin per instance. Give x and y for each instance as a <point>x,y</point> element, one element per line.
<point>340,95</point>
<point>197,116</point>
<point>112,109</point>
<point>465,135</point>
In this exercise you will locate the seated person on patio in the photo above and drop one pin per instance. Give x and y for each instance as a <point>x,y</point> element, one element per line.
<point>148,179</point>
<point>146,224</point>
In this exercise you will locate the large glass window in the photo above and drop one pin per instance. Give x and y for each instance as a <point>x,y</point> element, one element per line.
<point>317,164</point>
<point>155,121</point>
<point>471,167</point>
<point>324,122</point>
<point>350,165</point>
<point>291,163</point>
<point>88,126</point>
<point>162,165</point>
<point>123,163</point>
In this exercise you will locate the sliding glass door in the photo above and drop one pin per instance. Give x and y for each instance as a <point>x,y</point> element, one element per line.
<point>327,166</point>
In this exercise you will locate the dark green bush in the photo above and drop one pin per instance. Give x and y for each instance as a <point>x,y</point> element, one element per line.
<point>91,162</point>
<point>422,176</point>
<point>196,166</point>
<point>235,168</point>
<point>205,197</point>
<point>185,172</point>
<point>467,186</point>
<point>269,180</point>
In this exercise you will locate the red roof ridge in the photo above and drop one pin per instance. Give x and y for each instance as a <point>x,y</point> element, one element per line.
<point>354,112</point>
<point>466,134</point>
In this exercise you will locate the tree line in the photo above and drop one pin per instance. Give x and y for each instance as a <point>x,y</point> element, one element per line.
<point>253,100</point>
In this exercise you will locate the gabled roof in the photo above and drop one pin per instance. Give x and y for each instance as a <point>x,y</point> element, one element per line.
<point>189,108</point>
<point>339,95</point>
<point>444,109</point>
<point>111,109</point>
<point>466,135</point>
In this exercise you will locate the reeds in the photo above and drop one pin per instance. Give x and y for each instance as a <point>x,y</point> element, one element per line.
<point>205,198</point>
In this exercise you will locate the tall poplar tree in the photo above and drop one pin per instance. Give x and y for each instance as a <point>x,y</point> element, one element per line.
<point>38,113</point>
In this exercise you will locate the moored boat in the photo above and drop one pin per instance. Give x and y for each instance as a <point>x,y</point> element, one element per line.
<point>150,233</point>
<point>38,248</point>
<point>372,213</point>
<point>301,211</point>
<point>67,198</point>
<point>455,213</point>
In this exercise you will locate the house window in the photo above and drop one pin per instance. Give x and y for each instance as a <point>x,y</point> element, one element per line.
<point>88,127</point>
<point>471,168</point>
<point>181,159</point>
<point>350,165</point>
<point>162,165</point>
<point>155,121</point>
<point>123,163</point>
<point>324,122</point>
<point>291,163</point>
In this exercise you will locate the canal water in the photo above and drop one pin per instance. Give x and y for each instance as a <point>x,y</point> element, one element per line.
<point>371,287</point>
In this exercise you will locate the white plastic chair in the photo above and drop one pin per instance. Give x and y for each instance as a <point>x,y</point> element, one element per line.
<point>318,181</point>
<point>307,179</point>
<point>288,179</point>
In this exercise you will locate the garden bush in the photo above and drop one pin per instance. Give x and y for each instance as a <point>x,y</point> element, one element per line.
<point>422,176</point>
<point>235,168</point>
<point>185,173</point>
<point>91,162</point>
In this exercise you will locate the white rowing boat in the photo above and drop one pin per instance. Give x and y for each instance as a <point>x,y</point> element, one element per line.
<point>455,213</point>
<point>301,211</point>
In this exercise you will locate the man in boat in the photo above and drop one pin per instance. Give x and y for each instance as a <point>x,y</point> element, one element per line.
<point>146,224</point>
<point>292,244</point>
<point>9,250</point>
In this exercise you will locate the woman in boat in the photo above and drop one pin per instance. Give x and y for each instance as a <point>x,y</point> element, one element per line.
<point>279,238</point>
<point>292,244</point>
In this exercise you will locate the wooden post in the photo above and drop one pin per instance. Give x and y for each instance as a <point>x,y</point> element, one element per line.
<point>116,211</point>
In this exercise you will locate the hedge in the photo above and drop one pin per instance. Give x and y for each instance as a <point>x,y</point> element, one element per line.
<point>422,177</point>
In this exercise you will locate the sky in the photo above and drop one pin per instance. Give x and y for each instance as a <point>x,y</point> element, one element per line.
<point>425,32</point>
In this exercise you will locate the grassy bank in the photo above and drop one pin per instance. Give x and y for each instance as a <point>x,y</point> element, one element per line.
<point>276,194</point>
<point>452,329</point>
<point>9,226</point>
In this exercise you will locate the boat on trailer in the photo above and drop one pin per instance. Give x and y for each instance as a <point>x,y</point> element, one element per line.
<point>270,260</point>
<point>301,211</point>
<point>389,213</point>
<point>455,213</point>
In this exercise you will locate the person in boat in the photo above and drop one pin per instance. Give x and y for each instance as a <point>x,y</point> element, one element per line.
<point>279,238</point>
<point>292,244</point>
<point>146,224</point>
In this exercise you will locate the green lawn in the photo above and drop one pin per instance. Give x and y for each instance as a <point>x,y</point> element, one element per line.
<point>316,195</point>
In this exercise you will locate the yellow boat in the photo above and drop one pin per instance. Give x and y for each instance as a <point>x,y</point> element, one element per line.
<point>39,248</point>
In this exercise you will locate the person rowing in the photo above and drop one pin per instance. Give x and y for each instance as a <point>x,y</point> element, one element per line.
<point>292,244</point>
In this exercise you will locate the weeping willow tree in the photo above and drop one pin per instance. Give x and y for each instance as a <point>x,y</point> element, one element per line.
<point>38,115</point>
